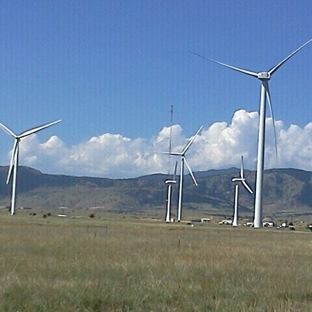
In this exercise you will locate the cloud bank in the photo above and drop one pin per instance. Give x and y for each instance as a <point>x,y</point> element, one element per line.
<point>218,146</point>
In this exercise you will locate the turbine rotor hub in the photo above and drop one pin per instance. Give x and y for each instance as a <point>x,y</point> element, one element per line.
<point>264,76</point>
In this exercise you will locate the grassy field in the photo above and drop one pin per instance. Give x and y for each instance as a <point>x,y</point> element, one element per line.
<point>115,263</point>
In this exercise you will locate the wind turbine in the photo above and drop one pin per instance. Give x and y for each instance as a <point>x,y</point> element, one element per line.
<point>184,161</point>
<point>247,187</point>
<point>264,77</point>
<point>15,153</point>
<point>170,183</point>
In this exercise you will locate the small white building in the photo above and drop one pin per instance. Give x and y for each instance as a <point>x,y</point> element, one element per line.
<point>249,224</point>
<point>268,224</point>
<point>226,222</point>
<point>203,220</point>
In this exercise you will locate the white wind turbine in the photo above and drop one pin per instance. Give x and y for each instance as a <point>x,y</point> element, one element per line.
<point>247,187</point>
<point>184,161</point>
<point>14,157</point>
<point>264,77</point>
<point>170,183</point>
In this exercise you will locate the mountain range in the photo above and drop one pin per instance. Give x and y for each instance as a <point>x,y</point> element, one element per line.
<point>286,192</point>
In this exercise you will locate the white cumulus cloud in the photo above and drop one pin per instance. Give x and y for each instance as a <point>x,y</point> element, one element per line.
<point>218,146</point>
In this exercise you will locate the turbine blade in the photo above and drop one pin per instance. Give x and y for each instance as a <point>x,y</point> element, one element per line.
<point>39,128</point>
<point>9,131</point>
<point>187,146</point>
<point>190,171</point>
<point>276,67</point>
<point>10,171</point>
<point>172,153</point>
<point>271,110</point>
<point>244,71</point>
<point>175,171</point>
<point>9,174</point>
<point>12,161</point>
<point>247,187</point>
<point>242,168</point>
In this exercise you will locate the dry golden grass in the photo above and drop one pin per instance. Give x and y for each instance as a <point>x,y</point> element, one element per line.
<point>124,264</point>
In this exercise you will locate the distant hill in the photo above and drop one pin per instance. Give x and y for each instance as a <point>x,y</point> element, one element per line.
<point>286,192</point>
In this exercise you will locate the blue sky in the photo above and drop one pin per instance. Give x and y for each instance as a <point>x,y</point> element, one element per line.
<point>112,69</point>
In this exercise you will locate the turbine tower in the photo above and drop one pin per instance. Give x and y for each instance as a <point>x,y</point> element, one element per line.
<point>264,77</point>
<point>247,187</point>
<point>235,215</point>
<point>170,183</point>
<point>184,161</point>
<point>14,157</point>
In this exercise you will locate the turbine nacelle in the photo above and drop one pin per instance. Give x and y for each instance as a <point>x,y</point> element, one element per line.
<point>238,179</point>
<point>170,182</point>
<point>264,76</point>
